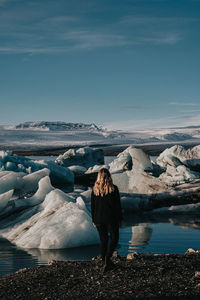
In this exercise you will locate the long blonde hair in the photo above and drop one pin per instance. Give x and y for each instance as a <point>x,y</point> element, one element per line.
<point>104,184</point>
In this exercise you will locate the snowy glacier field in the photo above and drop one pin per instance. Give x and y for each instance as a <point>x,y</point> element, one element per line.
<point>34,136</point>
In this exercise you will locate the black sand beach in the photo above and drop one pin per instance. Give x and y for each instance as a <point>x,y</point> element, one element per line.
<point>141,277</point>
<point>108,149</point>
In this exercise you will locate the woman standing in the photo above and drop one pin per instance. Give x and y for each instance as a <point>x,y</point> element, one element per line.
<point>106,214</point>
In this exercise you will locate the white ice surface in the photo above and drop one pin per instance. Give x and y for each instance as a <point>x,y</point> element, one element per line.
<point>131,158</point>
<point>78,170</point>
<point>129,172</point>
<point>5,198</point>
<point>85,157</point>
<point>58,174</point>
<point>178,175</point>
<point>177,155</point>
<point>11,180</point>
<point>30,181</point>
<point>60,224</point>
<point>96,168</point>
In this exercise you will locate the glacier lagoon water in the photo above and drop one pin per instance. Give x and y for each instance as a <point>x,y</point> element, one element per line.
<point>144,237</point>
<point>154,237</point>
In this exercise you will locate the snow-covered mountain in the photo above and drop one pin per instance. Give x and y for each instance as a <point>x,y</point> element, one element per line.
<point>53,126</point>
<point>63,134</point>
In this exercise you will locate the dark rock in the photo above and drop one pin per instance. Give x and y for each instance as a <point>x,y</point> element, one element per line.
<point>144,277</point>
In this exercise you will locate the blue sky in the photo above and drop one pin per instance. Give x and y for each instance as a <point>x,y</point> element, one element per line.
<point>122,64</point>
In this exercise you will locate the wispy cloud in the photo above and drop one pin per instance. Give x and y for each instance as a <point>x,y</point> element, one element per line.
<point>184,103</point>
<point>160,122</point>
<point>157,30</point>
<point>34,28</point>
<point>166,38</point>
<point>40,50</point>
<point>75,40</point>
<point>85,39</point>
<point>190,111</point>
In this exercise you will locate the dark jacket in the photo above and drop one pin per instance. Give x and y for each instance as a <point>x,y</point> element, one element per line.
<point>106,209</point>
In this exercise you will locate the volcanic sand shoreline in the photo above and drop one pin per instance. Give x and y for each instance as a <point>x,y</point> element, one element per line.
<point>174,276</point>
<point>108,149</point>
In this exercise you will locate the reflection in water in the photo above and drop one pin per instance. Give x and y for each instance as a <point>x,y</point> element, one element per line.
<point>13,258</point>
<point>190,222</point>
<point>80,253</point>
<point>155,234</point>
<point>141,234</point>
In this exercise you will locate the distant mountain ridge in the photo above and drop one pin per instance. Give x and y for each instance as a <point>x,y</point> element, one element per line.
<point>49,134</point>
<point>54,126</point>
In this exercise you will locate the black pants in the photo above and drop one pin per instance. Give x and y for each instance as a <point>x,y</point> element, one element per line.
<point>107,248</point>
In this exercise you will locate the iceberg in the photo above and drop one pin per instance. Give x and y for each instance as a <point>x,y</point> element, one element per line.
<point>78,170</point>
<point>132,172</point>
<point>11,180</point>
<point>85,157</point>
<point>131,158</point>
<point>178,175</point>
<point>59,175</point>
<point>5,198</point>
<point>30,181</point>
<point>177,155</point>
<point>60,223</point>
<point>9,205</point>
<point>96,169</point>
<point>54,219</point>
<point>44,188</point>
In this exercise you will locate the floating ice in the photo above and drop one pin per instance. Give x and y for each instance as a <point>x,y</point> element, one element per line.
<point>96,168</point>
<point>5,198</point>
<point>60,224</point>
<point>178,175</point>
<point>131,158</point>
<point>11,180</point>
<point>130,172</point>
<point>133,172</point>
<point>60,220</point>
<point>59,175</point>
<point>85,157</point>
<point>18,204</point>
<point>177,155</point>
<point>86,195</point>
<point>45,187</point>
<point>78,170</point>
<point>30,181</point>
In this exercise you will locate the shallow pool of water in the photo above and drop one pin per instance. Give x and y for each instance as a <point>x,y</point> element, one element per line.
<point>144,237</point>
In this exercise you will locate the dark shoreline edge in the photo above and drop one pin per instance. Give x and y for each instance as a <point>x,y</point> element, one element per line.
<point>108,149</point>
<point>143,276</point>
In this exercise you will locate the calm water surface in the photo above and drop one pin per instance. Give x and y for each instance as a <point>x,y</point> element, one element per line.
<point>145,237</point>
